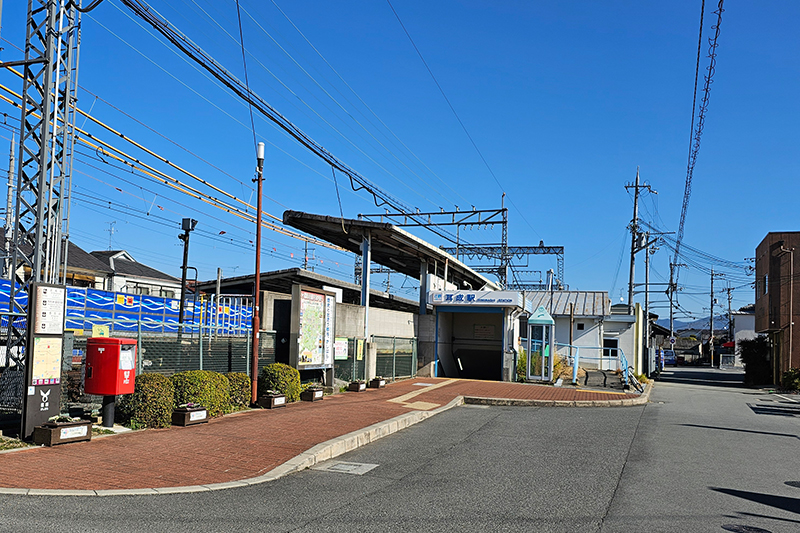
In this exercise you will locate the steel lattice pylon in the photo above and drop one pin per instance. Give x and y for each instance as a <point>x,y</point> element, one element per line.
<point>41,227</point>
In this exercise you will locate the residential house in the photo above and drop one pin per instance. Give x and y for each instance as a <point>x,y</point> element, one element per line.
<point>777,303</point>
<point>744,328</point>
<point>130,276</point>
<point>601,331</point>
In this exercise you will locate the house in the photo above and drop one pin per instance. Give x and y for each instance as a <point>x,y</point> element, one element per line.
<point>130,276</point>
<point>777,303</point>
<point>744,328</point>
<point>588,321</point>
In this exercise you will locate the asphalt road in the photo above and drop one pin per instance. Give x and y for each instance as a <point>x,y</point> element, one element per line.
<point>704,455</point>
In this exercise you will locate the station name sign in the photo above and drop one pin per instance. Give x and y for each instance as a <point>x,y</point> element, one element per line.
<point>476,298</point>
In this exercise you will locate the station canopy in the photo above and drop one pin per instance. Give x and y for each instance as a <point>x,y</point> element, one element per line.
<point>391,247</point>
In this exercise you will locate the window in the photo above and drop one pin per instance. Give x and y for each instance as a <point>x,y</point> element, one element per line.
<point>765,283</point>
<point>610,347</point>
<point>167,294</point>
<point>580,326</point>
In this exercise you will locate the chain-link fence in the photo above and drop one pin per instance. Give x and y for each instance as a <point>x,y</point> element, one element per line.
<point>354,367</point>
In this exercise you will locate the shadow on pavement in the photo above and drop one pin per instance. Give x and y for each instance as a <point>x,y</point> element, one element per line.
<point>705,377</point>
<point>792,410</point>
<point>743,430</point>
<point>779,502</point>
<point>768,517</point>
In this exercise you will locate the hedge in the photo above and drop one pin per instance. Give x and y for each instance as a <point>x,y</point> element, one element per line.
<point>280,377</point>
<point>151,403</point>
<point>209,389</point>
<point>240,388</point>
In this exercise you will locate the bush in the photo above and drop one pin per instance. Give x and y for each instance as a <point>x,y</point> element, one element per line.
<point>280,377</point>
<point>151,403</point>
<point>755,357</point>
<point>240,388</point>
<point>209,389</point>
<point>536,365</point>
<point>791,379</point>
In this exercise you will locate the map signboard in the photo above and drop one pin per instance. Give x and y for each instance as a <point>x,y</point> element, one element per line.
<point>313,314</point>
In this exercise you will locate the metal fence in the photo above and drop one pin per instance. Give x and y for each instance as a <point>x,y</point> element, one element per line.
<point>172,353</point>
<point>396,358</point>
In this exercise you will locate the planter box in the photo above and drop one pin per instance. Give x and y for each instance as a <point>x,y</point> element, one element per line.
<point>357,387</point>
<point>272,401</point>
<point>311,395</point>
<point>52,433</point>
<point>377,383</point>
<point>186,416</point>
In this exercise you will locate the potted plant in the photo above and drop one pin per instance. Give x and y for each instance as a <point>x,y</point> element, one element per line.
<point>378,382</point>
<point>357,386</point>
<point>62,429</point>
<point>189,414</point>
<point>271,399</point>
<point>312,393</point>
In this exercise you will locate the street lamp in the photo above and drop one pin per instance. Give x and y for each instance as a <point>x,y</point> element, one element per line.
<point>187,225</point>
<point>257,284</point>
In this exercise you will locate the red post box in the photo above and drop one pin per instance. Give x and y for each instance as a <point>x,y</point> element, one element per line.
<point>110,366</point>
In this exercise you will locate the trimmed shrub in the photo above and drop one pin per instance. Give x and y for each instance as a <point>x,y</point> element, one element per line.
<point>209,389</point>
<point>240,388</point>
<point>281,377</point>
<point>150,405</point>
<point>791,379</point>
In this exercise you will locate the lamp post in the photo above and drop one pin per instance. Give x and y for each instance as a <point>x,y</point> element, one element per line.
<point>257,284</point>
<point>187,225</point>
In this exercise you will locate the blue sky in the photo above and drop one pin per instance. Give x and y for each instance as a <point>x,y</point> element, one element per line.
<point>563,99</point>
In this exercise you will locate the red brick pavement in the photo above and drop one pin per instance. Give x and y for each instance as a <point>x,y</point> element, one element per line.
<point>242,445</point>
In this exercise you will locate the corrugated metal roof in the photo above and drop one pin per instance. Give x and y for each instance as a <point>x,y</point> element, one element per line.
<point>586,303</point>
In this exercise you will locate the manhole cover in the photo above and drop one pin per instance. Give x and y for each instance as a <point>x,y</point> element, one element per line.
<point>343,467</point>
<point>737,528</point>
<point>423,384</point>
<point>795,484</point>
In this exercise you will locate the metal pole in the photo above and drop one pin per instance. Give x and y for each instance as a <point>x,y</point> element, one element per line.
<point>216,302</point>
<point>257,281</point>
<point>9,229</point>
<point>185,238</point>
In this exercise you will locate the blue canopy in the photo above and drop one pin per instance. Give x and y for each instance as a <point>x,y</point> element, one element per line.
<point>541,317</point>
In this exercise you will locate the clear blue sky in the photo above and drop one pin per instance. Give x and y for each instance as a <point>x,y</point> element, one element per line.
<point>564,100</point>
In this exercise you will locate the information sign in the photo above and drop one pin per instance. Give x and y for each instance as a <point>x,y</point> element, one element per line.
<point>49,314</point>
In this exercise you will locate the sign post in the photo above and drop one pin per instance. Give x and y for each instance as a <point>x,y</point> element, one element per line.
<point>43,355</point>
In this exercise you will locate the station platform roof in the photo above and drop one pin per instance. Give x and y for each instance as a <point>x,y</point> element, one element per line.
<point>392,246</point>
<point>281,281</point>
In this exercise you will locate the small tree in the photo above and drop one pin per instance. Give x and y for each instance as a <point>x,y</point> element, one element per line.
<point>755,357</point>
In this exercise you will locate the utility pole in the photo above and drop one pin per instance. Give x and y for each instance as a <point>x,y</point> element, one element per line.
<point>671,292</point>
<point>729,290</point>
<point>711,323</point>
<point>634,235</point>
<point>257,281</point>
<point>647,253</point>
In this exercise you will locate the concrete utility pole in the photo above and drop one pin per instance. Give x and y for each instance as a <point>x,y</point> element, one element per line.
<point>711,324</point>
<point>634,235</point>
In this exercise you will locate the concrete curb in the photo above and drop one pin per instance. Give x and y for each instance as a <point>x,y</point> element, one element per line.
<point>316,454</point>
<point>628,402</point>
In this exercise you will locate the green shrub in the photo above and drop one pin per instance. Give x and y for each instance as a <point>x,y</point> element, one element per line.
<point>240,388</point>
<point>280,377</point>
<point>791,379</point>
<point>150,405</point>
<point>209,389</point>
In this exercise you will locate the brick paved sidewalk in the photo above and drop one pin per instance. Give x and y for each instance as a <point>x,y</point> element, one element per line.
<point>244,445</point>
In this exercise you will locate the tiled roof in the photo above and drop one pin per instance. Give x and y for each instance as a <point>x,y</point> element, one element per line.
<point>131,268</point>
<point>586,303</point>
<point>78,258</point>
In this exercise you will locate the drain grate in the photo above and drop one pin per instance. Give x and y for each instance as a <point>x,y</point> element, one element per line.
<point>342,467</point>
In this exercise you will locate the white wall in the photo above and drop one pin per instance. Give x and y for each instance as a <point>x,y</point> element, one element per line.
<point>744,328</point>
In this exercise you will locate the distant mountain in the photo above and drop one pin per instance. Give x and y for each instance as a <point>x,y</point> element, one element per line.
<point>720,322</point>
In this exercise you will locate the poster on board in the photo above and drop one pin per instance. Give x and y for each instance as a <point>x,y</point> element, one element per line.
<point>312,328</point>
